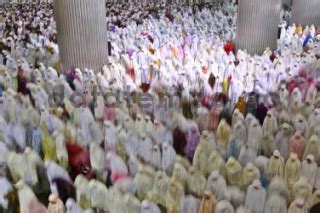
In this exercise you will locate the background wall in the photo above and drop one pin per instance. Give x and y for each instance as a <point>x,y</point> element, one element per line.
<point>257,25</point>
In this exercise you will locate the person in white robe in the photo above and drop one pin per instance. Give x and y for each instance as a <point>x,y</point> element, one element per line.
<point>224,207</point>
<point>275,204</point>
<point>302,189</point>
<point>309,170</point>
<point>168,158</point>
<point>217,185</point>
<point>282,139</point>
<point>99,196</point>
<point>246,155</point>
<point>255,133</point>
<point>6,187</point>
<point>256,197</point>
<point>73,207</point>
<point>149,207</point>
<point>25,194</point>
<point>298,206</point>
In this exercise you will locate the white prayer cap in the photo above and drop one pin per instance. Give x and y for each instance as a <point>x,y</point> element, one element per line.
<point>276,153</point>
<point>310,157</point>
<point>145,204</point>
<point>11,92</point>
<point>293,156</point>
<point>215,174</point>
<point>256,183</point>
<point>111,100</point>
<point>78,100</point>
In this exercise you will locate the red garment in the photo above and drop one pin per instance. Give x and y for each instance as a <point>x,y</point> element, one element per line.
<point>179,142</point>
<point>292,85</point>
<point>79,161</point>
<point>297,145</point>
<point>130,72</point>
<point>229,47</point>
<point>145,87</point>
<point>115,177</point>
<point>303,73</point>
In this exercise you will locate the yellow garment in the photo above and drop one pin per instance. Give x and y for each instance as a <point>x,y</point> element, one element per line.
<point>314,198</point>
<point>208,203</point>
<point>158,63</point>
<point>225,86</point>
<point>292,171</point>
<point>180,174</point>
<point>175,51</point>
<point>82,192</point>
<point>223,134</point>
<point>233,172</point>
<point>215,162</point>
<point>160,187</point>
<point>196,182</point>
<point>275,167</point>
<point>184,162</point>
<point>302,189</point>
<point>249,174</point>
<point>202,153</point>
<point>144,182</point>
<point>299,29</point>
<point>174,197</point>
<point>48,145</point>
<point>241,105</point>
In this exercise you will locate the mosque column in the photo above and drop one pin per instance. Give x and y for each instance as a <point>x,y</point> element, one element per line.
<point>82,33</point>
<point>257,25</point>
<point>306,12</point>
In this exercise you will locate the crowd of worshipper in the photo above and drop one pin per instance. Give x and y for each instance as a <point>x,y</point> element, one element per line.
<point>240,133</point>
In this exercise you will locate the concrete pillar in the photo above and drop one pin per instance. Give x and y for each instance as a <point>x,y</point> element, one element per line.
<point>306,12</point>
<point>257,25</point>
<point>82,33</point>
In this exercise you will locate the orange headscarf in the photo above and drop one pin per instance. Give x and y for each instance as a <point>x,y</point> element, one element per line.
<point>208,203</point>
<point>241,105</point>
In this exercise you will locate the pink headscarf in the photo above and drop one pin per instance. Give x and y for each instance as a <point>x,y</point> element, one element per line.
<point>297,144</point>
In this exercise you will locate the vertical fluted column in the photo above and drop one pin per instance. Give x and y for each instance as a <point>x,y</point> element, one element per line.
<point>257,25</point>
<point>82,33</point>
<point>306,12</point>
<point>287,2</point>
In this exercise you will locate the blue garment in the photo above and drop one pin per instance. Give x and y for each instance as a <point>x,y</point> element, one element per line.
<point>50,124</point>
<point>36,140</point>
<point>264,181</point>
<point>233,149</point>
<point>306,41</point>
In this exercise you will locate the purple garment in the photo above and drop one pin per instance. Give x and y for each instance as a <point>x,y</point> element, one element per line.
<point>262,113</point>
<point>22,85</point>
<point>130,52</point>
<point>113,28</point>
<point>193,137</point>
<point>188,40</point>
